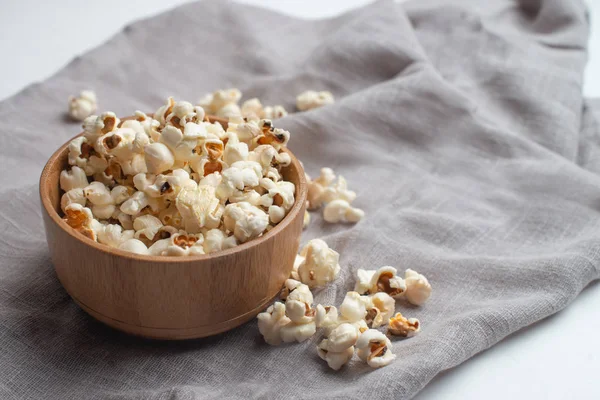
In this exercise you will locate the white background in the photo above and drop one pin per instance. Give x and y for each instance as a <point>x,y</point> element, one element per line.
<point>558,358</point>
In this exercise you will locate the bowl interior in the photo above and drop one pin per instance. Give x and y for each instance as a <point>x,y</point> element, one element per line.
<point>50,194</point>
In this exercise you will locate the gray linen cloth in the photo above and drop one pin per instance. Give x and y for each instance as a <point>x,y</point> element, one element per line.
<point>461,125</point>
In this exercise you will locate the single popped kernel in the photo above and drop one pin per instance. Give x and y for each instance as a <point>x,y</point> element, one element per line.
<point>418,288</point>
<point>320,264</point>
<point>82,106</point>
<point>401,326</point>
<point>374,348</point>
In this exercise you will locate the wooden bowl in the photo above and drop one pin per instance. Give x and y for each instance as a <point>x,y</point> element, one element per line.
<point>170,298</point>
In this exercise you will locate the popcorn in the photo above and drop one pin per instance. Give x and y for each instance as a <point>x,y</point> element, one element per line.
<point>120,193</point>
<point>72,196</point>
<point>299,312</point>
<point>183,244</point>
<point>135,204</point>
<point>418,288</point>
<point>316,188</point>
<point>380,308</point>
<point>339,191</point>
<point>238,176</point>
<point>311,99</point>
<point>334,360</point>
<point>158,158</point>
<point>297,332</point>
<point>82,106</point>
<point>276,137</point>
<point>374,348</point>
<point>124,219</point>
<point>294,290</point>
<point>146,226</point>
<point>81,219</point>
<point>363,280</point>
<point>270,323</point>
<point>228,111</point>
<point>134,246</point>
<point>353,307</point>
<point>95,126</point>
<point>199,208</point>
<point>235,150</point>
<point>161,114</point>
<point>103,211</point>
<point>401,326</point>
<point>386,280</point>
<point>177,184</point>
<point>246,131</point>
<point>73,179</point>
<point>113,235</point>
<point>342,211</point>
<point>98,194</point>
<point>319,264</point>
<point>252,109</point>
<point>221,102</point>
<point>213,240</point>
<point>342,338</point>
<point>245,220</point>
<point>274,112</point>
<point>326,318</point>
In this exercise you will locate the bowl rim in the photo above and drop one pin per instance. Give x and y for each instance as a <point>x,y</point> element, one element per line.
<point>300,199</point>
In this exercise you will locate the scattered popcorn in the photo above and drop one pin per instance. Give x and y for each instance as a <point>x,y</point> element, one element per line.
<point>293,332</point>
<point>380,308</point>
<point>401,326</point>
<point>342,211</point>
<point>374,348</point>
<point>294,290</point>
<point>335,196</point>
<point>342,337</point>
<point>326,317</point>
<point>82,106</point>
<point>353,308</point>
<point>386,280</point>
<point>418,288</point>
<point>311,99</point>
<point>363,280</point>
<point>334,360</point>
<point>270,323</point>
<point>319,264</point>
<point>175,182</point>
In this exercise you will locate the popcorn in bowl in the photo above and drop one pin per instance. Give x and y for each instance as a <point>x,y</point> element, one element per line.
<point>176,184</point>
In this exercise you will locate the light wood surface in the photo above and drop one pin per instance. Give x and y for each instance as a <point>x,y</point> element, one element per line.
<point>170,297</point>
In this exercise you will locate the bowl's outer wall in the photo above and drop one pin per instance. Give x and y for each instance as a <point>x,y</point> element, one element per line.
<point>170,300</point>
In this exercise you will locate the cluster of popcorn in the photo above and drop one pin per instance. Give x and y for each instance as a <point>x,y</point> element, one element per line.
<point>224,103</point>
<point>176,184</point>
<point>334,194</point>
<point>353,328</point>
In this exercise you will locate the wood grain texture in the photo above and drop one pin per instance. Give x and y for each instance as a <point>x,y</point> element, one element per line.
<point>170,297</point>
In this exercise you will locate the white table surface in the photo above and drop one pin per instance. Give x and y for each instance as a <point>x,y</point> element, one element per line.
<point>557,358</point>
